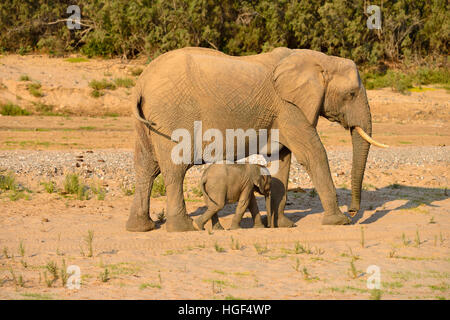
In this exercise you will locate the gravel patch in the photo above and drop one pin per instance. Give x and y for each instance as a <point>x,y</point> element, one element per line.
<point>118,164</point>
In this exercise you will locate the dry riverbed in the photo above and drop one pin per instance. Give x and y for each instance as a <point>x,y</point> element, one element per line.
<point>403,227</point>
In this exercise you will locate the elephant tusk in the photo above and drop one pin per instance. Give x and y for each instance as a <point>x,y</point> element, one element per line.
<point>366,137</point>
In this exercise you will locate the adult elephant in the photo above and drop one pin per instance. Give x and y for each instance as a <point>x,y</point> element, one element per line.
<point>284,89</point>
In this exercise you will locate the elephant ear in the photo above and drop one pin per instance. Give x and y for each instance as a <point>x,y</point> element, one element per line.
<point>301,80</point>
<point>261,177</point>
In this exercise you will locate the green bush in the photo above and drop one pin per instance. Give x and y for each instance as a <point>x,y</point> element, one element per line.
<point>411,29</point>
<point>51,45</point>
<point>10,109</point>
<point>432,76</point>
<point>45,109</point>
<point>402,81</point>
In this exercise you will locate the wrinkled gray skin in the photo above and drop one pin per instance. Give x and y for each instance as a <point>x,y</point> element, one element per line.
<point>231,183</point>
<point>284,89</point>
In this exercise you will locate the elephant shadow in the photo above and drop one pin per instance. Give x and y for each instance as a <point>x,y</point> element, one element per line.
<point>307,202</point>
<point>230,209</point>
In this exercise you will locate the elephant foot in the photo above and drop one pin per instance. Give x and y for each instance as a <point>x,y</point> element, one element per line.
<point>217,226</point>
<point>283,222</point>
<point>234,226</point>
<point>179,224</point>
<point>264,220</point>
<point>353,210</point>
<point>259,225</point>
<point>335,219</point>
<point>199,225</point>
<point>140,224</point>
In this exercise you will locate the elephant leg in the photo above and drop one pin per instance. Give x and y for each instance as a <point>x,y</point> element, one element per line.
<point>215,204</point>
<point>279,187</point>
<point>215,222</point>
<point>240,210</point>
<point>302,139</point>
<point>254,210</point>
<point>177,218</point>
<point>147,169</point>
<point>211,213</point>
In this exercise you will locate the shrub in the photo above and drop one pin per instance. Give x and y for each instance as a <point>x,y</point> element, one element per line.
<point>35,89</point>
<point>97,93</point>
<point>10,109</point>
<point>402,81</point>
<point>128,28</point>
<point>432,76</point>
<point>45,109</point>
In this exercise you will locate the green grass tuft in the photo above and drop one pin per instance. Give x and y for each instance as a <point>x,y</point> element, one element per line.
<point>102,85</point>
<point>124,82</point>
<point>8,182</point>
<point>98,190</point>
<point>35,89</point>
<point>49,186</point>
<point>72,185</point>
<point>24,77</point>
<point>136,71</point>
<point>76,59</point>
<point>10,109</point>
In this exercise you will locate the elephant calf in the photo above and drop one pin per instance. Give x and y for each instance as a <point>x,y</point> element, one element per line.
<point>230,183</point>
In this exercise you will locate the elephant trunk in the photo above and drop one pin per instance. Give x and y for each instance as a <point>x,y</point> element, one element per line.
<point>360,153</point>
<point>269,210</point>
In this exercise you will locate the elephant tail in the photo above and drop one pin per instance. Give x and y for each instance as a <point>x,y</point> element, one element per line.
<point>202,187</point>
<point>137,108</point>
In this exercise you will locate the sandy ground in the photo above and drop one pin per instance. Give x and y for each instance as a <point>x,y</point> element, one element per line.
<point>403,227</point>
